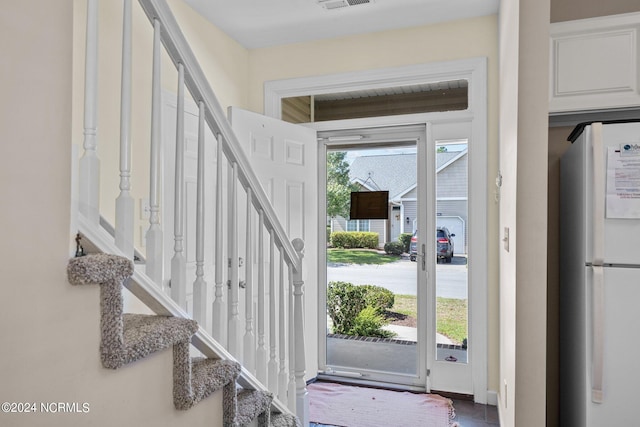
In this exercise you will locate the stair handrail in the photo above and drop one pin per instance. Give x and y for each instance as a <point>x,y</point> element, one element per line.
<point>196,82</point>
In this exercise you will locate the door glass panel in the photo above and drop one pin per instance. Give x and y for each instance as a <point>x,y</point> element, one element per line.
<point>451,251</point>
<point>372,313</point>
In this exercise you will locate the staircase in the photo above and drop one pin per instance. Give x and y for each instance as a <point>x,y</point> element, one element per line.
<point>126,338</point>
<point>260,369</point>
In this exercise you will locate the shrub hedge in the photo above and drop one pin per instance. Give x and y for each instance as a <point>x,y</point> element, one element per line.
<point>378,297</point>
<point>344,302</point>
<point>369,323</point>
<point>354,239</point>
<point>393,248</point>
<point>357,310</point>
<point>405,239</point>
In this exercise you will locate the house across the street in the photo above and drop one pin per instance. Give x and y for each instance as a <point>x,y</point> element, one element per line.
<point>396,173</point>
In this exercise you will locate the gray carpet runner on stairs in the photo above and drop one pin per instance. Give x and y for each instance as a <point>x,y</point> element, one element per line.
<point>126,338</point>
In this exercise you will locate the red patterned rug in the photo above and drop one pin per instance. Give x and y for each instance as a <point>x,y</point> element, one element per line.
<point>350,406</point>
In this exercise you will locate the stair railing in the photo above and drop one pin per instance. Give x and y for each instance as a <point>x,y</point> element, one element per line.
<point>272,351</point>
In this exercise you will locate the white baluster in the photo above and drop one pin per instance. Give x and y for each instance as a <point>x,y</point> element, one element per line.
<point>200,285</point>
<point>282,308</point>
<point>234,280</point>
<point>154,234</point>
<point>291,392</point>
<point>179,261</point>
<point>124,202</point>
<point>89,183</point>
<point>302,397</point>
<point>273,365</point>
<point>219,324</point>
<point>261,356</point>
<point>249,337</point>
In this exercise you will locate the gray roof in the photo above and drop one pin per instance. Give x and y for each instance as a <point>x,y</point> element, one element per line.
<point>442,158</point>
<point>393,172</point>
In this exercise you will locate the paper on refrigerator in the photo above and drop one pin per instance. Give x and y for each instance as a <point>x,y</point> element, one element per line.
<point>623,181</point>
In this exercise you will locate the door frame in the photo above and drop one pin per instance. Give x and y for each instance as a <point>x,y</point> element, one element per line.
<point>474,70</point>
<point>382,137</point>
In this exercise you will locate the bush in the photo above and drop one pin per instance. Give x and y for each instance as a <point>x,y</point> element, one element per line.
<point>378,297</point>
<point>393,248</point>
<point>369,323</point>
<point>405,239</point>
<point>344,302</point>
<point>354,239</point>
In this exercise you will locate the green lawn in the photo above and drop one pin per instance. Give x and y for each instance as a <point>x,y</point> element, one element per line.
<point>451,315</point>
<point>359,256</point>
<point>451,318</point>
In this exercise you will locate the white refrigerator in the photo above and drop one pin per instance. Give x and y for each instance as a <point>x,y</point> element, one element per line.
<point>600,276</point>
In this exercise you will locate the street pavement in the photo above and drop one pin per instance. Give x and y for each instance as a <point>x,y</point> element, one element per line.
<point>400,277</point>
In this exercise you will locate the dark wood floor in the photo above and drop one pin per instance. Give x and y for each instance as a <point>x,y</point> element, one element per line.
<point>468,414</point>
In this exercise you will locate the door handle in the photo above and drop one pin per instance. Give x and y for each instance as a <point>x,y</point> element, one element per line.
<point>423,257</point>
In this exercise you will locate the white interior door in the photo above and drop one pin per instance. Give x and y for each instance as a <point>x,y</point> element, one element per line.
<point>169,112</point>
<point>284,158</point>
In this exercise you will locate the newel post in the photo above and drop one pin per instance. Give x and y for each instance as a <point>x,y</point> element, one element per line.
<point>302,398</point>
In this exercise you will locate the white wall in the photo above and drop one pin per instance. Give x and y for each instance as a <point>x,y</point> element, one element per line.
<point>443,42</point>
<point>524,28</point>
<point>50,329</point>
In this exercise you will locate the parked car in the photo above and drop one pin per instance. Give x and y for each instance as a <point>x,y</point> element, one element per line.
<point>444,245</point>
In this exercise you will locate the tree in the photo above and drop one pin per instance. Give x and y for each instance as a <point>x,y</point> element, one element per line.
<point>442,149</point>
<point>339,187</point>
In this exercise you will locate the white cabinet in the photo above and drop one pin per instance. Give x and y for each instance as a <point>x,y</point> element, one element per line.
<point>595,64</point>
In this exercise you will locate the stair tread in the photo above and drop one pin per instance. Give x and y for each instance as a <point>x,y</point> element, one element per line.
<point>144,334</point>
<point>252,403</point>
<point>127,337</point>
<point>284,420</point>
<point>209,375</point>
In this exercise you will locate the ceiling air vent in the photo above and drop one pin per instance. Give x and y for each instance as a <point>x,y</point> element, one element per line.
<point>338,4</point>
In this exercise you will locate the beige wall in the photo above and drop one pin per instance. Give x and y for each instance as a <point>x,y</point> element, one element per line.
<point>444,42</point>
<point>50,329</point>
<point>524,28</point>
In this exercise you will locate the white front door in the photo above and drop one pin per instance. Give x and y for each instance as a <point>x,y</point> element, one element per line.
<point>284,158</point>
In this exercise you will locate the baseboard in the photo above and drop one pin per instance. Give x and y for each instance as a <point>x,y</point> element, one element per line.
<point>492,398</point>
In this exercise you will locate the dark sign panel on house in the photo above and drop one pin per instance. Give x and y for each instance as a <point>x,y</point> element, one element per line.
<point>369,205</point>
